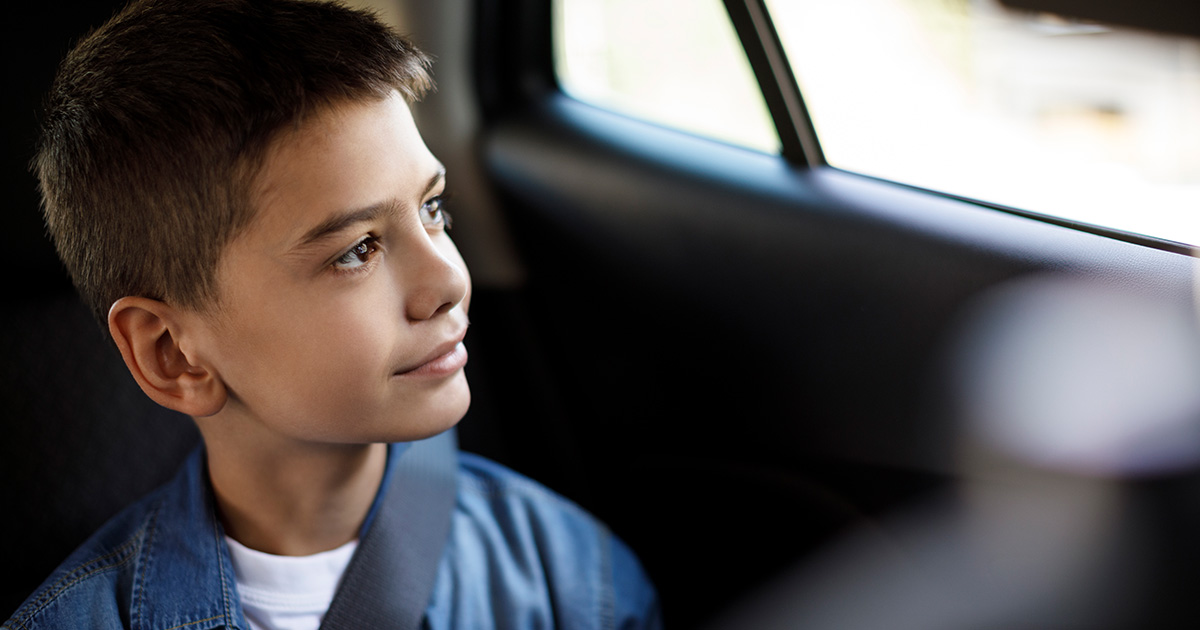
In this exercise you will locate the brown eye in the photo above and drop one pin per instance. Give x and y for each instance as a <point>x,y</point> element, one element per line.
<point>358,255</point>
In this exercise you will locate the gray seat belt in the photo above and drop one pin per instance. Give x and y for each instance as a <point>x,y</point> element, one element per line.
<point>388,582</point>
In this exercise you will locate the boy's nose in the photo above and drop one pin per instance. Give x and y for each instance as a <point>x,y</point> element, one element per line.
<point>436,279</point>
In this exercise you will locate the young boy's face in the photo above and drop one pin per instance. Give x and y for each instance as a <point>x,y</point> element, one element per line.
<point>343,304</point>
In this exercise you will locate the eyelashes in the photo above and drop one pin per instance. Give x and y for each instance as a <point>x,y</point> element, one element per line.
<point>434,213</point>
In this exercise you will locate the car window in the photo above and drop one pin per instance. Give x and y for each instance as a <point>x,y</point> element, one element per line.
<point>1085,121</point>
<point>673,62</point>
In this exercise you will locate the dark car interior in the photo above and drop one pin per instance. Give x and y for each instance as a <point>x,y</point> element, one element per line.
<point>739,361</point>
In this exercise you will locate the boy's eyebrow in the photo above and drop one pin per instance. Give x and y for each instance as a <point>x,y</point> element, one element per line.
<point>339,222</point>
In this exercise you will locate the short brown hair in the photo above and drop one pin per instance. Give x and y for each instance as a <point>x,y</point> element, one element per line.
<point>158,121</point>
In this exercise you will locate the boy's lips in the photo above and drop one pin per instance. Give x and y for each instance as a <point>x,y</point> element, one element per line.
<point>445,359</point>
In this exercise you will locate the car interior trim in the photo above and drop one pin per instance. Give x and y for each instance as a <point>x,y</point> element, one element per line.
<point>764,50</point>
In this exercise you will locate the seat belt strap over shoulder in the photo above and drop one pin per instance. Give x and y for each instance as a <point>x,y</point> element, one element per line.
<point>389,581</point>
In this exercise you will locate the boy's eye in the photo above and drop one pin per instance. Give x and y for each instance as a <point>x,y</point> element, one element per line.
<point>358,255</point>
<point>434,214</point>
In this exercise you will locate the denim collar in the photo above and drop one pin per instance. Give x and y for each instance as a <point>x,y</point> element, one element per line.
<point>185,576</point>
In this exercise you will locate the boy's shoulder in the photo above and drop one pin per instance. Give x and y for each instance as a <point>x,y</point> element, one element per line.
<point>484,482</point>
<point>519,540</point>
<point>89,581</point>
<point>126,575</point>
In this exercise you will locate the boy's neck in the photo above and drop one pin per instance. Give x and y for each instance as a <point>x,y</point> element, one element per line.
<point>293,501</point>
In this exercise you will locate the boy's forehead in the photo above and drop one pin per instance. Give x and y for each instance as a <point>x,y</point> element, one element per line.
<point>344,156</point>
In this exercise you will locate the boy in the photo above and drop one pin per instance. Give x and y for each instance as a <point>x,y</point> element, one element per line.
<point>239,192</point>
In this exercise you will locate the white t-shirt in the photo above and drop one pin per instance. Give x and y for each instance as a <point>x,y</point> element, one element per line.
<point>287,592</point>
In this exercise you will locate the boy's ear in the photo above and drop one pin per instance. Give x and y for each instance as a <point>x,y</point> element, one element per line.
<point>148,334</point>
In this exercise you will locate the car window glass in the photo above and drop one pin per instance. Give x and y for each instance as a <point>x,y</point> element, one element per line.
<point>672,62</point>
<point>1085,121</point>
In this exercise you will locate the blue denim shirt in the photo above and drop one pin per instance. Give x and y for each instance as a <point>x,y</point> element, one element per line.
<point>519,556</point>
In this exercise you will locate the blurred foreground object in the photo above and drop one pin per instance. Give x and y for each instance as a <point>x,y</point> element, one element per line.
<point>1078,496</point>
<point>1082,377</point>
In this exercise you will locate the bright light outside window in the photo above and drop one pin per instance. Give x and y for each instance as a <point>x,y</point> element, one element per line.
<point>673,62</point>
<point>1088,122</point>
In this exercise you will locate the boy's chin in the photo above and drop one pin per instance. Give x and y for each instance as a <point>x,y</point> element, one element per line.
<point>441,417</point>
<point>425,432</point>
